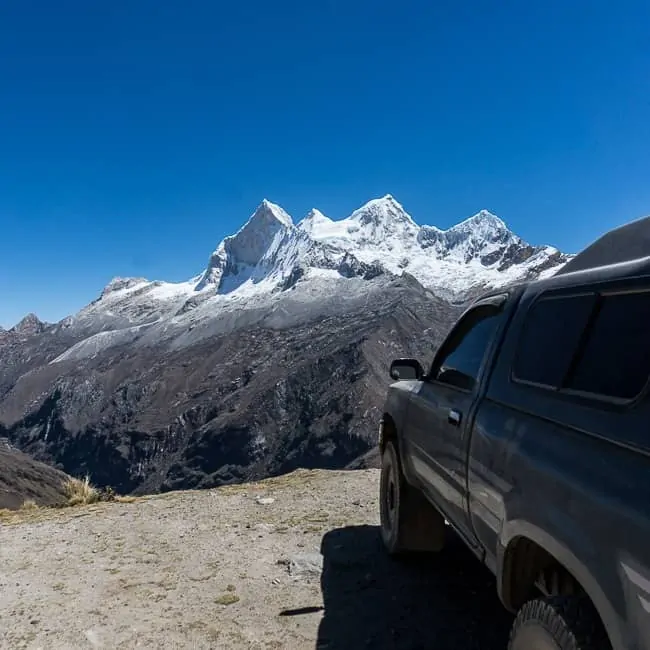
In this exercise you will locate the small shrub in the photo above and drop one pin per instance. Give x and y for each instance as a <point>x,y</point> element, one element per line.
<point>81,492</point>
<point>107,494</point>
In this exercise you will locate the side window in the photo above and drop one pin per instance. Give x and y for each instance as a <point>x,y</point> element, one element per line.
<point>460,359</point>
<point>550,337</point>
<point>615,360</point>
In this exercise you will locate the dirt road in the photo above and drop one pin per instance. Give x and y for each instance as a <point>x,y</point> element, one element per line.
<point>293,562</point>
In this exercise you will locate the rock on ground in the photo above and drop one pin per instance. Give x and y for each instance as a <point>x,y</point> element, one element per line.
<point>229,568</point>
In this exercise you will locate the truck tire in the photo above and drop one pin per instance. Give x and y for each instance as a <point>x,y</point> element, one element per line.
<point>558,623</point>
<point>409,523</point>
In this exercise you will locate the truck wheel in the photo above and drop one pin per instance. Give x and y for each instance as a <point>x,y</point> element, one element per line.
<point>558,623</point>
<point>408,521</point>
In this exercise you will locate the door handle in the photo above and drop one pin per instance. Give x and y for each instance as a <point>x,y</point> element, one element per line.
<point>454,417</point>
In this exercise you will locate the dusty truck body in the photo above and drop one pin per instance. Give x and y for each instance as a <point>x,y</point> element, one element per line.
<point>530,434</point>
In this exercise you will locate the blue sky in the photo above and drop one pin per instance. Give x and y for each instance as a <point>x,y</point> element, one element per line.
<point>135,134</point>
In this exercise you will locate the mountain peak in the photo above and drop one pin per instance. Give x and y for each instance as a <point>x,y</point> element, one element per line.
<point>314,220</point>
<point>30,324</point>
<point>481,227</point>
<point>376,226</point>
<point>118,283</point>
<point>387,200</point>
<point>484,218</point>
<point>269,211</point>
<point>315,213</point>
<point>250,243</point>
<point>382,210</point>
<point>263,231</point>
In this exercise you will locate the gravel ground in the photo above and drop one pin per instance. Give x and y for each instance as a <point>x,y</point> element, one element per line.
<point>293,562</point>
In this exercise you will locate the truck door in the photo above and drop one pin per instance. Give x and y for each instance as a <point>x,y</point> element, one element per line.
<point>441,411</point>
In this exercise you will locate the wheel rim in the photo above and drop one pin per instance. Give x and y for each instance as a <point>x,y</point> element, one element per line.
<point>534,637</point>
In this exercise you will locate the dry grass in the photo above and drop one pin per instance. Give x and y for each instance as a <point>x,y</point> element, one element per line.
<point>10,517</point>
<point>81,492</point>
<point>78,492</point>
<point>125,499</point>
<point>7,515</point>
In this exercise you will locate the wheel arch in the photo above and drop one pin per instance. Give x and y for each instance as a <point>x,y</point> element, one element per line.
<point>522,537</point>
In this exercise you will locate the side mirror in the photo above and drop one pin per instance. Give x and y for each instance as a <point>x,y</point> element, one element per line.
<point>405,369</point>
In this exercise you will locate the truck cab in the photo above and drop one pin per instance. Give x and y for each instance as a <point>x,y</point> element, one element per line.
<point>528,434</point>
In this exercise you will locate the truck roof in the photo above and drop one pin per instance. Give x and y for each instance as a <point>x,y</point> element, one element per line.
<point>627,243</point>
<point>623,252</point>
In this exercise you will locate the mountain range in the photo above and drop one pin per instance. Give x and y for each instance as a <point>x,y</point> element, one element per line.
<point>274,356</point>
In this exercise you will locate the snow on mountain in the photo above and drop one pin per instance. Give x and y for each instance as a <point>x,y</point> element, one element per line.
<point>120,284</point>
<point>270,256</point>
<point>479,250</point>
<point>247,255</point>
<point>381,224</point>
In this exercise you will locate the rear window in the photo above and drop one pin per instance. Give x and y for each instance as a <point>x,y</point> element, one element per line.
<point>553,329</point>
<point>615,360</point>
<point>594,344</point>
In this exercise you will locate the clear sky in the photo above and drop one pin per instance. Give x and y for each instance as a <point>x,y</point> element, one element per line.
<point>135,134</point>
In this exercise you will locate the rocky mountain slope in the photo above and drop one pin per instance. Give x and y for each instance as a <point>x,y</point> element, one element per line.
<point>294,562</point>
<point>24,479</point>
<point>273,357</point>
<point>237,405</point>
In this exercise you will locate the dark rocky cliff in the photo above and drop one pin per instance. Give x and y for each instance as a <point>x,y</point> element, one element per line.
<point>242,405</point>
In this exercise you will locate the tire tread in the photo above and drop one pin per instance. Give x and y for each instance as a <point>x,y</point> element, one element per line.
<point>572,621</point>
<point>421,528</point>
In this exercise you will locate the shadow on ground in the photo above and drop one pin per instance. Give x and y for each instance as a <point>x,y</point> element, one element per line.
<point>441,602</point>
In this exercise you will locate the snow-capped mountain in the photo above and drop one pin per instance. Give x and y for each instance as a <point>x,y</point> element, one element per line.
<point>270,253</point>
<point>479,251</point>
<point>271,263</point>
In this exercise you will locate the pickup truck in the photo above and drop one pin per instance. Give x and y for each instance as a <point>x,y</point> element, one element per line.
<point>529,434</point>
